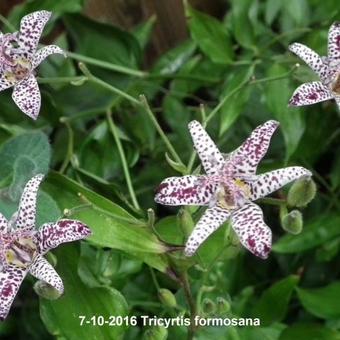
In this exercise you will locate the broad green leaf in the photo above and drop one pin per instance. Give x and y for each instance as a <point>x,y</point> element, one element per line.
<point>242,26</point>
<point>111,225</point>
<point>298,10</point>
<point>272,9</point>
<point>233,107</point>
<point>61,316</point>
<point>211,36</point>
<point>308,331</point>
<point>143,31</point>
<point>320,230</point>
<point>22,157</point>
<point>104,42</point>
<point>322,302</point>
<point>277,93</point>
<point>277,295</point>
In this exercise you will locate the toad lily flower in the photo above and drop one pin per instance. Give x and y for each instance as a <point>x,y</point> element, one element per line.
<point>228,189</point>
<point>327,68</point>
<point>22,246</point>
<point>18,59</point>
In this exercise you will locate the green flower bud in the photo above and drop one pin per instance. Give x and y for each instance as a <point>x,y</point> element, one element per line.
<point>186,221</point>
<point>46,291</point>
<point>208,306</point>
<point>293,222</point>
<point>301,192</point>
<point>167,298</point>
<point>223,306</point>
<point>155,333</point>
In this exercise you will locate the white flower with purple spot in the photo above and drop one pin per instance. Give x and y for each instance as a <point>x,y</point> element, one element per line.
<point>327,68</point>
<point>228,189</point>
<point>22,246</point>
<point>19,57</point>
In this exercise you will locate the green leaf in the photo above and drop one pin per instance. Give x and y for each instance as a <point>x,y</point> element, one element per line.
<point>143,31</point>
<point>111,225</point>
<point>233,107</point>
<point>61,317</point>
<point>242,26</point>
<point>320,230</point>
<point>272,9</point>
<point>278,93</point>
<point>104,42</point>
<point>22,157</point>
<point>321,302</point>
<point>308,331</point>
<point>277,295</point>
<point>211,36</point>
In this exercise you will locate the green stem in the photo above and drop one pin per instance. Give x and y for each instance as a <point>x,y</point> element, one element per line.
<point>154,279</point>
<point>105,85</point>
<point>272,201</point>
<point>70,145</point>
<point>7,23</point>
<point>145,104</point>
<point>58,80</point>
<point>106,65</point>
<point>191,302</point>
<point>123,159</point>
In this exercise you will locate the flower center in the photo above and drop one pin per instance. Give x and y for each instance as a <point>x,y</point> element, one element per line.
<point>15,66</point>
<point>335,84</point>
<point>233,194</point>
<point>21,252</point>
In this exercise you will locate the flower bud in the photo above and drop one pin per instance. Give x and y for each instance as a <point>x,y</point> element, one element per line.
<point>155,333</point>
<point>208,306</point>
<point>301,192</point>
<point>167,298</point>
<point>223,306</point>
<point>46,291</point>
<point>293,222</point>
<point>186,221</point>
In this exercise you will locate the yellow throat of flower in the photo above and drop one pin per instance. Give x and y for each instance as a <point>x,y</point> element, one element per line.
<point>21,252</point>
<point>227,197</point>
<point>19,71</point>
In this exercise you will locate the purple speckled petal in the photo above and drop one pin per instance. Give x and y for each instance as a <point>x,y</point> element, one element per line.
<point>334,41</point>
<point>44,52</point>
<point>43,270</point>
<point>185,190</point>
<point>253,233</point>
<point>10,281</point>
<point>211,158</point>
<point>271,181</point>
<point>4,83</point>
<point>312,59</point>
<point>28,203</point>
<point>50,235</point>
<point>3,223</point>
<point>247,157</point>
<point>310,93</point>
<point>208,223</point>
<point>26,95</point>
<point>31,27</point>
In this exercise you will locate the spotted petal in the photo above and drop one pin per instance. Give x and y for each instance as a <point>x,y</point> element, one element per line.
<point>31,27</point>
<point>3,223</point>
<point>208,223</point>
<point>253,233</point>
<point>211,158</point>
<point>4,83</point>
<point>28,202</point>
<point>311,58</point>
<point>50,235</point>
<point>250,153</point>
<point>334,41</point>
<point>185,190</point>
<point>10,281</point>
<point>43,270</point>
<point>310,93</point>
<point>271,181</point>
<point>44,52</point>
<point>26,95</point>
